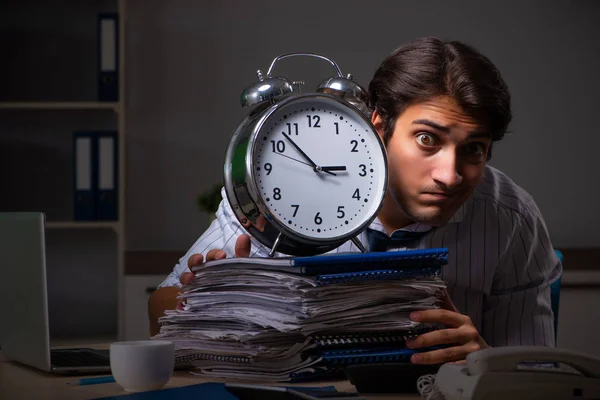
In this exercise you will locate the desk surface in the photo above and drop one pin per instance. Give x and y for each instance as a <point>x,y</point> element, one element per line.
<point>18,381</point>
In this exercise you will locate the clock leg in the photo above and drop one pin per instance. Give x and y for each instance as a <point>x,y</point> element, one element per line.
<point>358,244</point>
<point>276,244</point>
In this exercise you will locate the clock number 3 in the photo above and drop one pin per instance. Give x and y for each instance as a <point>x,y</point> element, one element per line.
<point>363,171</point>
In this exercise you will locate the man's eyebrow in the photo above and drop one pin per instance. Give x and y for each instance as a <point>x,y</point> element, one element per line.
<point>445,129</point>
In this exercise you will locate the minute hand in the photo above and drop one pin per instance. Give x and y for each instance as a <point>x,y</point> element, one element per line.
<point>312,163</point>
<point>316,168</point>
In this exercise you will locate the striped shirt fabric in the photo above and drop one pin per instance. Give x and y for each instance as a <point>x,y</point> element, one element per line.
<point>500,267</point>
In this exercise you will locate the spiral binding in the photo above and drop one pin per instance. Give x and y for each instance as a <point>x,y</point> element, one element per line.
<point>189,358</point>
<point>367,356</point>
<point>362,276</point>
<point>384,260</point>
<point>367,339</point>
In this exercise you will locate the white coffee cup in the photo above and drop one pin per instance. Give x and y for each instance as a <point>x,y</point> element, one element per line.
<point>143,365</point>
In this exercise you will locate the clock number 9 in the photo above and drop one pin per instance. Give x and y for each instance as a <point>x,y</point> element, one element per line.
<point>277,193</point>
<point>269,168</point>
<point>318,219</point>
<point>363,167</point>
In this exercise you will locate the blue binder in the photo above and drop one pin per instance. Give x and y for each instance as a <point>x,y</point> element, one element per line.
<point>108,56</point>
<point>107,204</point>
<point>84,176</point>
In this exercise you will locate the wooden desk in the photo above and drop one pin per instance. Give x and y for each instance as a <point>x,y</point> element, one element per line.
<point>18,381</point>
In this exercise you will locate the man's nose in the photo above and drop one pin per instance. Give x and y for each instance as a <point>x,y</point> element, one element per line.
<point>446,172</point>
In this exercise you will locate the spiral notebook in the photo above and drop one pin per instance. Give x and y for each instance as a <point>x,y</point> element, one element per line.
<point>336,263</point>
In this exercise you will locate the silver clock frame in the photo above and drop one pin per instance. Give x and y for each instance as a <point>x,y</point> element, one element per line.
<point>243,193</point>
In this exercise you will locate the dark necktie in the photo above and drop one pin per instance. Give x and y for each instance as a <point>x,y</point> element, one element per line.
<point>379,241</point>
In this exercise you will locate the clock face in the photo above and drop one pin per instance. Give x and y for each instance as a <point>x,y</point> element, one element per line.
<point>319,167</point>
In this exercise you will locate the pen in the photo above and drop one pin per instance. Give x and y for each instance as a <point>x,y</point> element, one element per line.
<point>92,381</point>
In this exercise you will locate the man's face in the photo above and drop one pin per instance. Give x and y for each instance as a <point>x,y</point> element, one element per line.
<point>436,156</point>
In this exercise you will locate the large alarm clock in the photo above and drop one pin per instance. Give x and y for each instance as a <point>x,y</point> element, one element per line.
<point>305,171</point>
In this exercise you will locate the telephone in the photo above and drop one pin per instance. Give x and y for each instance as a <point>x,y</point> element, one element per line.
<point>519,373</point>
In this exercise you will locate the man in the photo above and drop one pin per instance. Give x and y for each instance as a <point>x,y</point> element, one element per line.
<point>439,107</point>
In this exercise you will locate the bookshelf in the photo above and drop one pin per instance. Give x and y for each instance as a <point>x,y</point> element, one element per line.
<point>47,91</point>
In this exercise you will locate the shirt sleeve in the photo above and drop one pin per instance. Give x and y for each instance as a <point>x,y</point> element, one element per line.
<point>221,234</point>
<point>518,309</point>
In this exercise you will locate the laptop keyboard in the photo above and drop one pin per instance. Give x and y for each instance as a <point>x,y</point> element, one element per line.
<point>79,358</point>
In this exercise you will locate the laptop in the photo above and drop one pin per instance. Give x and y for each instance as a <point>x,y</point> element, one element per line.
<point>24,330</point>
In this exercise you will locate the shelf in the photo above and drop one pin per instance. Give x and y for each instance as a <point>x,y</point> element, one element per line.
<point>59,105</point>
<point>114,225</point>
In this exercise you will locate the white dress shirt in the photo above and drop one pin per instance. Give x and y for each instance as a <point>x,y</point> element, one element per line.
<point>501,261</point>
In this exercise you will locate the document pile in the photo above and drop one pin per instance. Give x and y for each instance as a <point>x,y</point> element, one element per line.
<point>303,318</point>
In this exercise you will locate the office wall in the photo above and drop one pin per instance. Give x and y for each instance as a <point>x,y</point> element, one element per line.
<point>188,62</point>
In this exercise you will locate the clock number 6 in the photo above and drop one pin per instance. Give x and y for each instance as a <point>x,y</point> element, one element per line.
<point>318,220</point>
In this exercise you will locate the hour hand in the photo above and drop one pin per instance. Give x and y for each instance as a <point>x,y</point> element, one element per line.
<point>333,168</point>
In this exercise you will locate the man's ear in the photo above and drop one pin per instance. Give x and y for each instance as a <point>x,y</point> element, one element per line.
<point>377,122</point>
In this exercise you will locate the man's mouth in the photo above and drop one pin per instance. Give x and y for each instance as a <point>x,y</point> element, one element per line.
<point>437,196</point>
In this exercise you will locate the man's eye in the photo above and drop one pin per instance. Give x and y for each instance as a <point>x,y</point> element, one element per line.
<point>426,139</point>
<point>475,149</point>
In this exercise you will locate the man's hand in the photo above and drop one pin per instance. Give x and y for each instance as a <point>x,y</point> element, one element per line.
<point>242,249</point>
<point>460,333</point>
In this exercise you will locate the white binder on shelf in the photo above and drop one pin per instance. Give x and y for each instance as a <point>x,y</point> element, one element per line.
<point>84,163</point>
<point>107,205</point>
<point>108,57</point>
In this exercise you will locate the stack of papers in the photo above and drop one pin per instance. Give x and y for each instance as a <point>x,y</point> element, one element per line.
<point>299,318</point>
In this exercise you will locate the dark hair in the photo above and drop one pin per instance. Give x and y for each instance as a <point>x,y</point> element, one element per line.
<point>428,67</point>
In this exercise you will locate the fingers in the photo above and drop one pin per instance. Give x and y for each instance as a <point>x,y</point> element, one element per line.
<point>243,246</point>
<point>242,249</point>
<point>447,354</point>
<point>215,254</point>
<point>195,260</point>
<point>463,334</point>
<point>450,318</point>
<point>186,278</point>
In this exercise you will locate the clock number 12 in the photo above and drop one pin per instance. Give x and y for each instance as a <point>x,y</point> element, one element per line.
<point>313,121</point>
